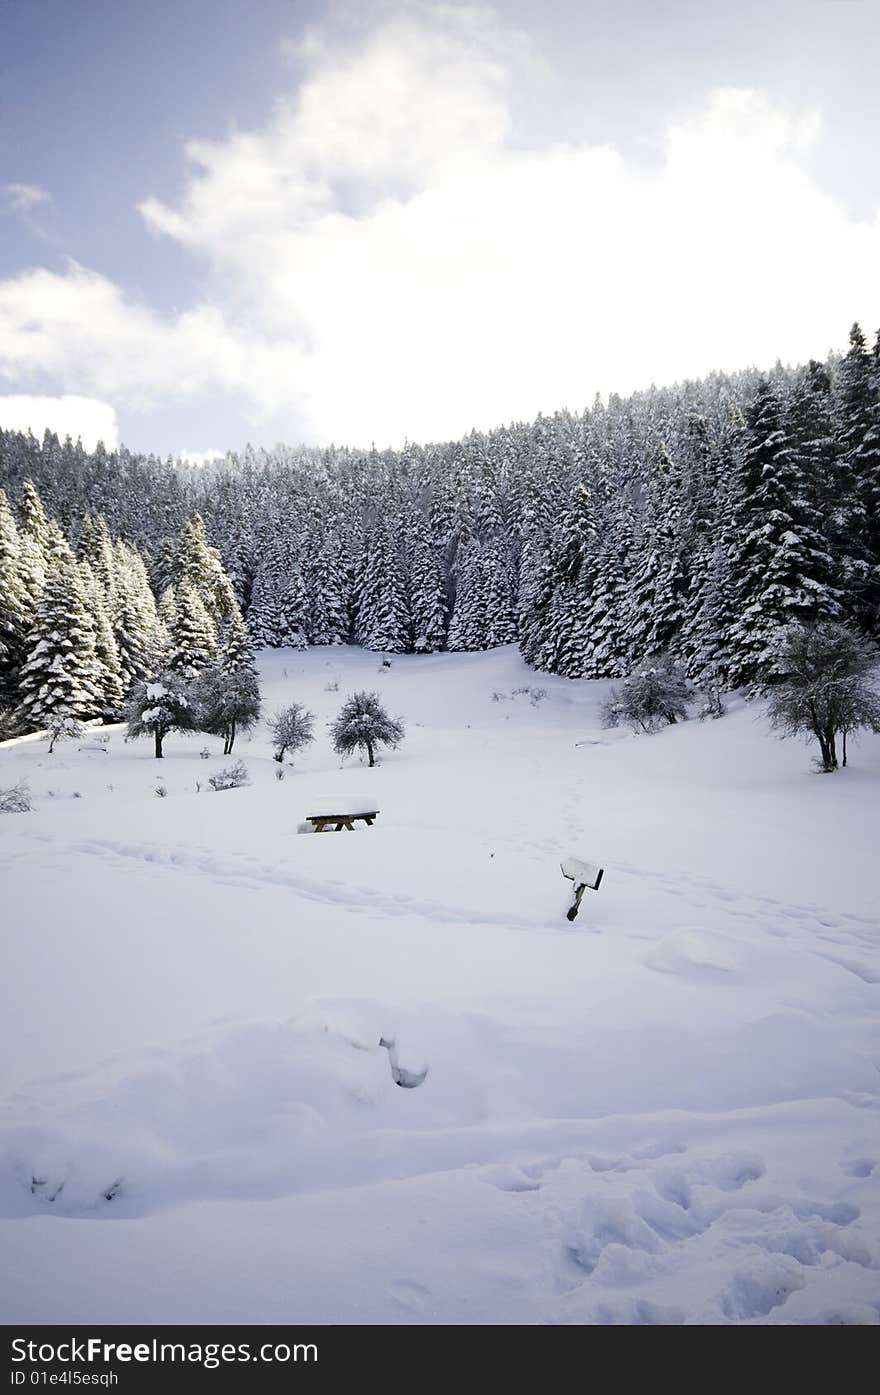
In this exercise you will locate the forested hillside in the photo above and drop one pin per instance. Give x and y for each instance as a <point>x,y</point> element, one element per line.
<point>695,520</point>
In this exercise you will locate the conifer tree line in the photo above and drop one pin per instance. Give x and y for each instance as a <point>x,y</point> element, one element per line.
<point>695,521</point>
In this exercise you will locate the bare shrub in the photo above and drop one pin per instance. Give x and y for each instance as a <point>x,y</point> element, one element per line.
<point>230,778</point>
<point>16,799</point>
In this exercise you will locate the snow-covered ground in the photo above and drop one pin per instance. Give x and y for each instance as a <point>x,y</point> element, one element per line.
<point>666,1111</point>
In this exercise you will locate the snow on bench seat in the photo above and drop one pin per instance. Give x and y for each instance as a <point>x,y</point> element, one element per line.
<point>349,804</point>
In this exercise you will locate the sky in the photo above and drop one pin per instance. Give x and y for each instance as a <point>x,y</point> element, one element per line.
<point>389,220</point>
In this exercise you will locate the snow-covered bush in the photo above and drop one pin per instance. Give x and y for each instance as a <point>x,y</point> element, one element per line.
<point>230,778</point>
<point>363,725</point>
<point>161,791</point>
<point>160,706</point>
<point>825,691</point>
<point>649,698</point>
<point>291,729</point>
<point>16,799</point>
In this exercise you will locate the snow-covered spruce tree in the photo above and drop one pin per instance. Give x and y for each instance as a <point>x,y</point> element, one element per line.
<point>499,592</point>
<point>61,674</point>
<point>704,641</point>
<point>326,586</point>
<point>782,571</point>
<point>364,725</point>
<point>95,546</point>
<point>659,581</point>
<point>278,614</point>
<point>228,690</point>
<point>159,706</point>
<point>112,688</point>
<point>824,691</point>
<point>649,698</point>
<point>427,592</point>
<point>291,728</point>
<point>15,603</point>
<point>136,625</point>
<point>32,520</point>
<point>604,619</point>
<point>579,554</point>
<point>192,640</point>
<point>167,611</point>
<point>467,628</point>
<point>199,566</point>
<point>34,543</point>
<point>857,432</point>
<point>294,602</point>
<point>265,616</point>
<point>383,618</point>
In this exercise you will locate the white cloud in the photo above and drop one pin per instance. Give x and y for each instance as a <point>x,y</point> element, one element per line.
<point>389,261</point>
<point>85,417</point>
<point>23,198</point>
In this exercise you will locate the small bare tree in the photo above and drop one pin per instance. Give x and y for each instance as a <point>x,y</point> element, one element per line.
<point>60,726</point>
<point>291,729</point>
<point>825,692</point>
<point>363,724</point>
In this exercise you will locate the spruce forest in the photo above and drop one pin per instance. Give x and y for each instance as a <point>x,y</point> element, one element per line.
<point>694,521</point>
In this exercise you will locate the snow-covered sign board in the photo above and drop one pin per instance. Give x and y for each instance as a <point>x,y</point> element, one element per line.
<point>582,873</point>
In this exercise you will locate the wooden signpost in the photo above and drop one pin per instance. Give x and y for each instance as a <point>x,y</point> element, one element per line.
<point>583,874</point>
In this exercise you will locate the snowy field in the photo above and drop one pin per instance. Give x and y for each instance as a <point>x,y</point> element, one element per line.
<point>665,1112</point>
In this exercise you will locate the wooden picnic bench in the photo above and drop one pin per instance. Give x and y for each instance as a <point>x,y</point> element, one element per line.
<point>320,822</point>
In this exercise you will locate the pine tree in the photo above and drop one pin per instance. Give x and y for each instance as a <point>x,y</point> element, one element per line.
<point>96,547</point>
<point>279,612</point>
<point>192,640</point>
<point>15,603</point>
<point>326,588</point>
<point>782,569</point>
<point>427,593</point>
<point>659,581</point>
<point>34,540</point>
<point>106,649</point>
<point>857,394</point>
<point>138,631</point>
<point>498,588</point>
<point>199,566</point>
<point>61,674</point>
<point>383,619</point>
<point>604,624</point>
<point>467,628</point>
<point>167,610</point>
